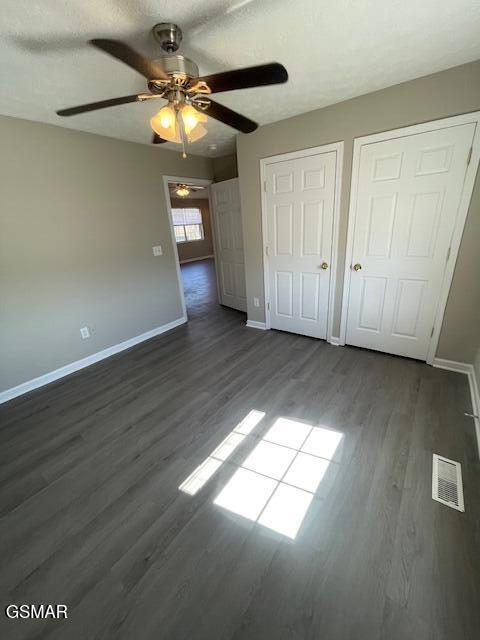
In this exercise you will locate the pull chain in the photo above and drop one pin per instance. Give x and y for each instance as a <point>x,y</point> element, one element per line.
<point>182,133</point>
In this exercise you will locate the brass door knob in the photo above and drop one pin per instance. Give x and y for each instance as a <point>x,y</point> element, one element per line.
<point>357,267</point>
<point>324,265</point>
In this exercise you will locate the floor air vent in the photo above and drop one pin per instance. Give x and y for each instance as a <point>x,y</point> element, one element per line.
<point>447,485</point>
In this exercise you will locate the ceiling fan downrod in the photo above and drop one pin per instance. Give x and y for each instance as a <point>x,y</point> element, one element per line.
<point>168,35</point>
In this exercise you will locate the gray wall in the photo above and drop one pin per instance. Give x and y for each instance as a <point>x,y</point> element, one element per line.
<point>79,216</point>
<point>197,248</point>
<point>450,92</point>
<point>225,168</point>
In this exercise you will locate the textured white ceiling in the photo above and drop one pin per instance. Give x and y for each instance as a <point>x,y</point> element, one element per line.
<point>333,50</point>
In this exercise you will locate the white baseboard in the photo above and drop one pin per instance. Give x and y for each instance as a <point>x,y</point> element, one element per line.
<point>474,392</point>
<point>253,324</point>
<point>452,365</point>
<point>30,385</point>
<point>195,259</point>
<point>335,341</point>
<point>469,371</point>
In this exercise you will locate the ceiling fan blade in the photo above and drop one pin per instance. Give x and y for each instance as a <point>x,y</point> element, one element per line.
<point>121,51</point>
<point>157,139</point>
<point>259,76</point>
<point>228,116</point>
<point>93,106</point>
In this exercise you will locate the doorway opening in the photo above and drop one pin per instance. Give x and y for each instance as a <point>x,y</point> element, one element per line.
<point>192,235</point>
<point>206,230</point>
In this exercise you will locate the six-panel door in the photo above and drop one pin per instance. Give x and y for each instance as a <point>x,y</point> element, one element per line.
<point>408,194</point>
<point>300,197</point>
<point>229,244</point>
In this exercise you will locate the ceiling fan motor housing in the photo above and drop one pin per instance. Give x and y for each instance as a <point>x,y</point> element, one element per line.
<point>169,36</point>
<point>178,65</point>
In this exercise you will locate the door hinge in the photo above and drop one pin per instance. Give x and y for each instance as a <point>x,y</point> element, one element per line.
<point>268,306</point>
<point>448,254</point>
<point>265,186</point>
<point>431,332</point>
<point>469,156</point>
<point>266,250</point>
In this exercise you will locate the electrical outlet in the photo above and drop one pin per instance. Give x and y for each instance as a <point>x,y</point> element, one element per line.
<point>157,251</point>
<point>256,302</point>
<point>85,333</point>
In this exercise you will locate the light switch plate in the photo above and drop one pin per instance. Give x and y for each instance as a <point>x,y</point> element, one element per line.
<point>157,251</point>
<point>256,302</point>
<point>85,333</point>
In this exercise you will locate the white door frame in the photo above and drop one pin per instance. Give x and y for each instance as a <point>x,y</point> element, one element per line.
<point>294,155</point>
<point>468,184</point>
<point>201,182</point>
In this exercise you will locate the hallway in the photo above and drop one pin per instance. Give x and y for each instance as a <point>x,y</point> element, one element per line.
<point>201,295</point>
<point>199,286</point>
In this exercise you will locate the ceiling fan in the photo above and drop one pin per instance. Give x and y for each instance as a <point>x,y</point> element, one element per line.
<point>182,190</point>
<point>176,79</point>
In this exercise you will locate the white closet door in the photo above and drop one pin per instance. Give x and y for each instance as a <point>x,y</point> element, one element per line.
<point>300,197</point>
<point>230,260</point>
<point>409,191</point>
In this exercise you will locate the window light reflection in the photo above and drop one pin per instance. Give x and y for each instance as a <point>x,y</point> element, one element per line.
<point>200,476</point>
<point>295,471</point>
<point>205,471</point>
<point>286,509</point>
<point>276,483</point>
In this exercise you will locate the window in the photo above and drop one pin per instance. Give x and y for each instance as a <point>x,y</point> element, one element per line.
<point>187,223</point>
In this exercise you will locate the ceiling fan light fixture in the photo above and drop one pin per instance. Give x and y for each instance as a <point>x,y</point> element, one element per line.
<point>175,78</point>
<point>167,116</point>
<point>182,191</point>
<point>165,124</point>
<point>191,118</point>
<point>198,132</point>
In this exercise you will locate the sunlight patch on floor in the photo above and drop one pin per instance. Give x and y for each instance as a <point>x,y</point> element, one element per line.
<point>294,456</point>
<point>210,465</point>
<point>277,481</point>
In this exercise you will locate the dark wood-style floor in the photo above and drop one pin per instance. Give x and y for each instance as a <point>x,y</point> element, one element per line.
<point>92,515</point>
